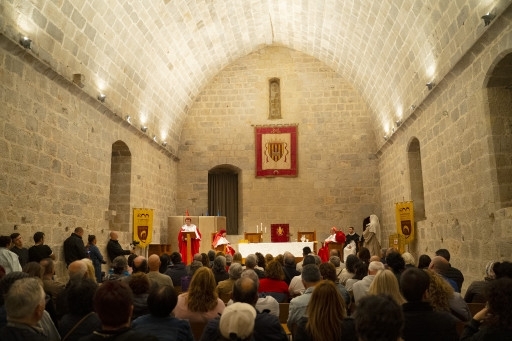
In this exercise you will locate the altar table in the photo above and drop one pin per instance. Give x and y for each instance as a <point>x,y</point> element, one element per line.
<point>274,248</point>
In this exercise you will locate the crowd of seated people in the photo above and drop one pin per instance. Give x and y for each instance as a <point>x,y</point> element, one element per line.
<point>324,300</point>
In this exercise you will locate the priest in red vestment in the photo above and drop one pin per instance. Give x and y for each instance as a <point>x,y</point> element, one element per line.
<point>182,242</point>
<point>336,237</point>
<point>220,239</point>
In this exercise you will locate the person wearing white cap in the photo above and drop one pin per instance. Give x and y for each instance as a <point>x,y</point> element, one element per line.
<point>264,327</point>
<point>237,321</point>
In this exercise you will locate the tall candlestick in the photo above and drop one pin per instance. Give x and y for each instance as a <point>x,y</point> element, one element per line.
<point>265,229</point>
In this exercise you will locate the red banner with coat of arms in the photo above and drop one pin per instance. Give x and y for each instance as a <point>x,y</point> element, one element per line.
<point>280,233</point>
<point>276,151</point>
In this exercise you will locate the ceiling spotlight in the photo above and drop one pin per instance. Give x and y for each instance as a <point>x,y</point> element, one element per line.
<point>101,97</point>
<point>128,118</point>
<point>398,122</point>
<point>413,107</point>
<point>430,85</point>
<point>386,137</point>
<point>144,129</point>
<point>488,17</point>
<point>164,143</point>
<point>154,138</point>
<point>25,42</point>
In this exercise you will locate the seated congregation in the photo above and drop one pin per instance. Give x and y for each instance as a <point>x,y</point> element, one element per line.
<point>222,297</point>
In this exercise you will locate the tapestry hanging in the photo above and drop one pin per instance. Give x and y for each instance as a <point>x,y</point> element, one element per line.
<point>142,226</point>
<point>276,151</point>
<point>405,220</point>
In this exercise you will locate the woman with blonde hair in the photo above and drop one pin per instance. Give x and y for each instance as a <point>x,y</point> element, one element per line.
<point>440,292</point>
<point>443,298</point>
<point>201,302</point>
<point>326,317</point>
<point>91,272</point>
<point>385,282</point>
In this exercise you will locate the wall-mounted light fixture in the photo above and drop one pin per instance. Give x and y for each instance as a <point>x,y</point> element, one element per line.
<point>430,85</point>
<point>25,42</point>
<point>154,138</point>
<point>413,107</point>
<point>101,98</point>
<point>398,122</point>
<point>164,143</point>
<point>128,118</point>
<point>144,129</point>
<point>488,17</point>
<point>386,137</point>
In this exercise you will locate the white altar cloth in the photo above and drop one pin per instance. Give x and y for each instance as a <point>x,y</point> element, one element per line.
<point>274,248</point>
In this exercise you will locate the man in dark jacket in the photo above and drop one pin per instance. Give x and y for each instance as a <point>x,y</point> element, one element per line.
<point>74,248</point>
<point>113,302</point>
<point>114,249</point>
<point>177,269</point>
<point>422,323</point>
<point>452,273</point>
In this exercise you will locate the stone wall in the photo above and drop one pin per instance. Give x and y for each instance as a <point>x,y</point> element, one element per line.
<point>338,180</point>
<point>55,159</point>
<point>464,213</point>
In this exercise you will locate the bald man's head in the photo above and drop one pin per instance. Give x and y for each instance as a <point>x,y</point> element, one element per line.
<point>439,265</point>
<point>140,264</point>
<point>113,235</point>
<point>77,270</point>
<point>154,262</point>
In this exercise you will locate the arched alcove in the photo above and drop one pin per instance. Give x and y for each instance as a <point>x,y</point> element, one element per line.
<point>223,189</point>
<point>499,94</point>
<point>416,179</point>
<point>120,186</point>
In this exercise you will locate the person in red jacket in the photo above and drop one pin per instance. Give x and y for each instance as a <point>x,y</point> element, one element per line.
<point>182,242</point>
<point>337,236</point>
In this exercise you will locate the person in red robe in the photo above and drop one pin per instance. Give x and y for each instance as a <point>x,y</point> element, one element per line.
<point>220,239</point>
<point>337,236</point>
<point>182,242</point>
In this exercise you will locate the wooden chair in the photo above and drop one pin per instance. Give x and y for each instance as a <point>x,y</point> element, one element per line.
<point>197,329</point>
<point>253,237</point>
<point>475,308</point>
<point>221,248</point>
<point>284,309</point>
<point>309,235</point>
<point>336,246</point>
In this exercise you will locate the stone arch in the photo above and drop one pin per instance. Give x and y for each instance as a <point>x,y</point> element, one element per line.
<point>120,187</point>
<point>499,98</point>
<point>223,194</point>
<point>416,178</point>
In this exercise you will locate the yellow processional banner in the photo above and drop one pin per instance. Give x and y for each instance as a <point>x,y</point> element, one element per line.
<point>405,220</point>
<point>142,226</point>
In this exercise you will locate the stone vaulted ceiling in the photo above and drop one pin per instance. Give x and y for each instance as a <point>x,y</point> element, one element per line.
<point>153,57</point>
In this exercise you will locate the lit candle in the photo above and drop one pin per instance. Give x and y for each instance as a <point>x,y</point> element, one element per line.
<point>265,229</point>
